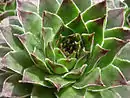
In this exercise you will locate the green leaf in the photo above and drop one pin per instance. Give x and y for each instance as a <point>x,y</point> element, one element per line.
<point>55,67</point>
<point>17,61</point>
<point>93,95</point>
<point>98,25</point>
<point>7,14</point>
<point>42,92</point>
<point>88,41</point>
<point>109,94</point>
<point>4,50</point>
<point>26,6</point>
<point>59,54</point>
<point>3,76</point>
<point>114,45</point>
<point>48,5</point>
<point>8,33</point>
<point>52,20</point>
<point>124,66</point>
<point>82,4</point>
<point>115,18</point>
<point>95,11</point>
<point>68,63</point>
<point>112,76</point>
<point>96,55</point>
<point>33,24</point>
<point>71,93</point>
<point>75,73</point>
<point>36,76</point>
<point>11,87</point>
<point>78,25</point>
<point>10,5</point>
<point>48,35</point>
<point>92,79</point>
<point>71,9</point>
<point>58,81</point>
<point>119,32</point>
<point>31,44</point>
<point>124,53</point>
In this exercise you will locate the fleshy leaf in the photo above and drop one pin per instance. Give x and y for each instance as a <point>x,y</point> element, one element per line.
<point>115,18</point>
<point>8,33</point>
<point>82,4</point>
<point>17,61</point>
<point>98,26</point>
<point>11,87</point>
<point>58,54</point>
<point>78,25</point>
<point>4,50</point>
<point>93,95</point>
<point>48,5</point>
<point>88,41</point>
<point>7,14</point>
<point>71,9</point>
<point>96,55</point>
<point>55,67</point>
<point>68,63</point>
<point>114,45</point>
<point>26,6</point>
<point>75,73</point>
<point>42,92</point>
<point>52,20</point>
<point>121,33</point>
<point>71,92</point>
<point>112,76</point>
<point>36,76</point>
<point>33,24</point>
<point>124,66</point>
<point>95,11</point>
<point>92,79</point>
<point>48,35</point>
<point>58,81</point>
<point>124,53</point>
<point>31,44</point>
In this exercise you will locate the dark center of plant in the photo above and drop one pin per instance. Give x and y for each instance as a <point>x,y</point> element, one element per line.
<point>70,44</point>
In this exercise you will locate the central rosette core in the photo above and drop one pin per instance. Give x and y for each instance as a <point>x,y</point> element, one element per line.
<point>70,44</point>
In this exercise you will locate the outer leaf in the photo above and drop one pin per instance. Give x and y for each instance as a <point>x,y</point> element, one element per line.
<point>58,81</point>
<point>124,53</point>
<point>35,76</point>
<point>52,20</point>
<point>4,50</point>
<point>71,9</point>
<point>96,55</point>
<point>8,33</point>
<point>17,61</point>
<point>124,66</point>
<point>29,24</point>
<point>95,11</point>
<point>26,6</point>
<point>112,76</point>
<point>42,92</point>
<point>82,4</point>
<point>12,88</point>
<point>93,95</point>
<point>77,25</point>
<point>92,79</point>
<point>98,26</point>
<point>48,5</point>
<point>115,18</point>
<point>71,93</point>
<point>114,45</point>
<point>121,33</point>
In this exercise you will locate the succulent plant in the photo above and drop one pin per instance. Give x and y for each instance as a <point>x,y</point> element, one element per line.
<point>66,49</point>
<point>7,8</point>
